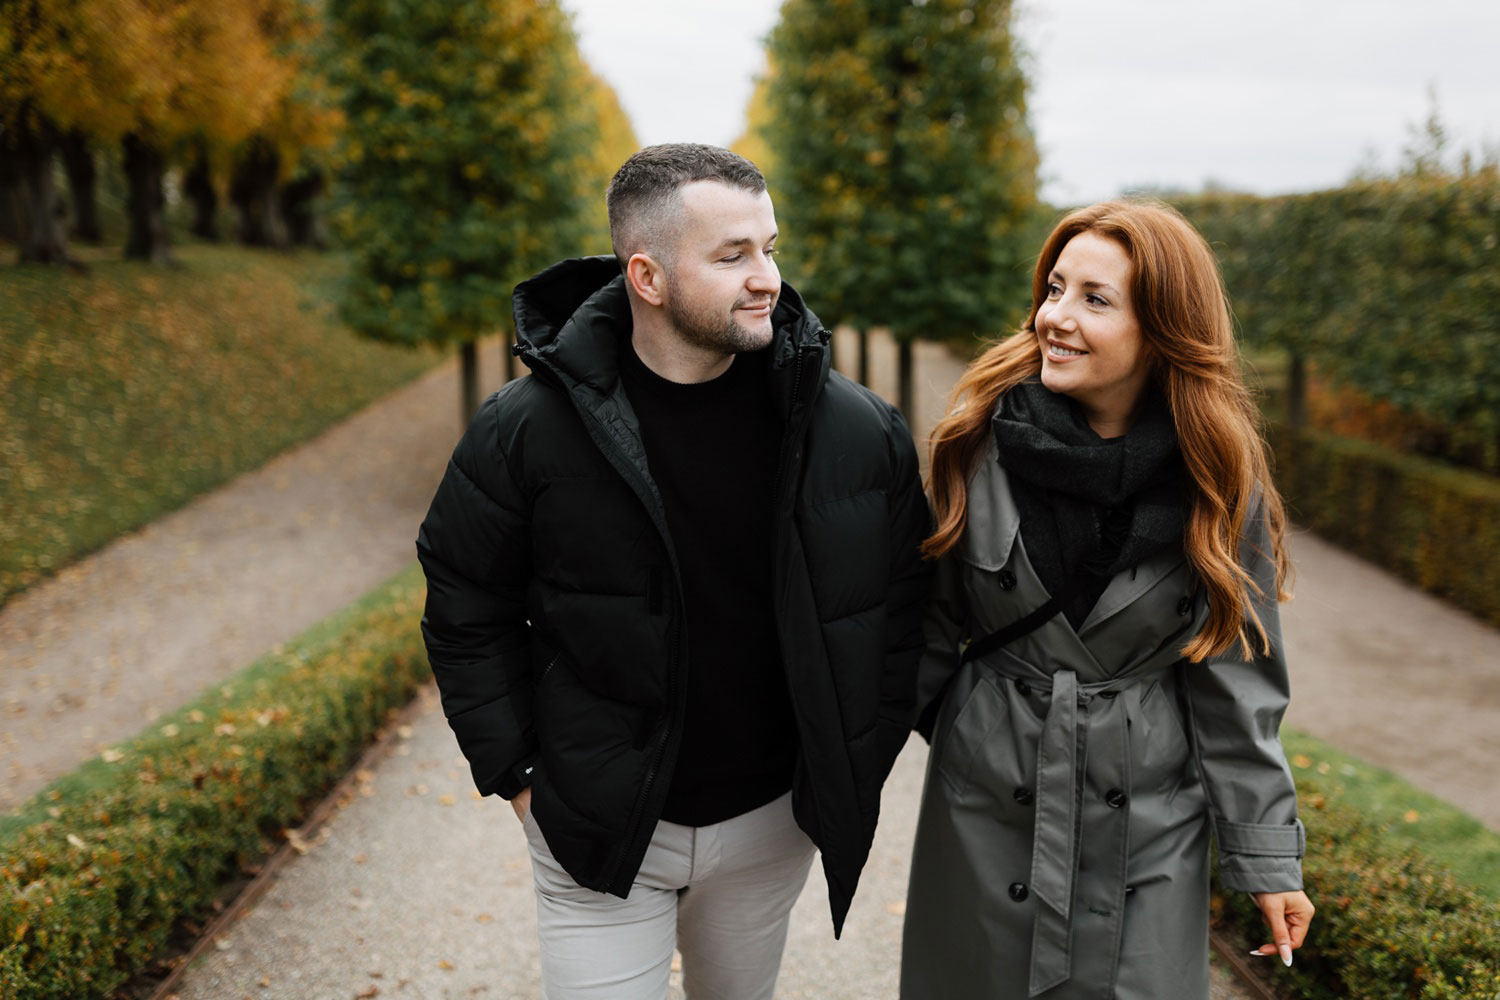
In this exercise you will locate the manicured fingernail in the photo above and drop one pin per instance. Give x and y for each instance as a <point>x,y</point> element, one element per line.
<point>1257,952</point>
<point>1286,955</point>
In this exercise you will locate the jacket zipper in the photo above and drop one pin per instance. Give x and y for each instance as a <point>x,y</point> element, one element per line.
<point>792,435</point>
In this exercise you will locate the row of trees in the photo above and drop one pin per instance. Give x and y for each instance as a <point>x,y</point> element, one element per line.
<point>469,141</point>
<point>477,150</point>
<point>896,141</point>
<point>223,88</point>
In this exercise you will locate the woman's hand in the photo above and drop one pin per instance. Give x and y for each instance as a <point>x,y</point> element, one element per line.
<point>1288,914</point>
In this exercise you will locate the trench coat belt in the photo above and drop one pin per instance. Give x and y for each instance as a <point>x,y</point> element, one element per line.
<point>1059,801</point>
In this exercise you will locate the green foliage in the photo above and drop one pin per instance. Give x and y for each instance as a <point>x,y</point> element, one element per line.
<point>467,133</point>
<point>1434,525</point>
<point>1389,286</point>
<point>1410,816</point>
<point>96,870</point>
<point>904,167</point>
<point>125,392</point>
<point>1391,922</point>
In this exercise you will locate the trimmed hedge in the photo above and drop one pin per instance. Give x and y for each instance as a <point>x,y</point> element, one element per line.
<point>1390,923</point>
<point>1389,286</point>
<point>95,870</point>
<point>1434,525</point>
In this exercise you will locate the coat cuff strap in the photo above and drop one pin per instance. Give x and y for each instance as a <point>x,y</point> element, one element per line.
<point>1286,841</point>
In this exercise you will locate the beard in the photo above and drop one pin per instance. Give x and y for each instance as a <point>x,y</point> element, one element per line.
<point>706,327</point>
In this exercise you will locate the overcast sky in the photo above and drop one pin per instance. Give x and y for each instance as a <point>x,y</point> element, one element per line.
<point>1266,96</point>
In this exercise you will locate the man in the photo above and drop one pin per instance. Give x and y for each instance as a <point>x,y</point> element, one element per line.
<point>674,593</point>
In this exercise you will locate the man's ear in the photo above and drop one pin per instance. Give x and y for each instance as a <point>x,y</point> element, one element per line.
<point>646,278</point>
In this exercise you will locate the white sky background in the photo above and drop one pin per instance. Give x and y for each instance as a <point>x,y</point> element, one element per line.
<point>1267,96</point>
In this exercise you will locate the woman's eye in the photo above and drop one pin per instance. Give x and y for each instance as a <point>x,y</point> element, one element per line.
<point>1054,290</point>
<point>1097,301</point>
<point>771,252</point>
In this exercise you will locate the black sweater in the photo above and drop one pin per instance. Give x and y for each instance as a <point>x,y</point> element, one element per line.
<point>712,448</point>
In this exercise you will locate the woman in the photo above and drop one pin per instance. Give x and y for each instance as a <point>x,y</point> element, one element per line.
<point>1104,678</point>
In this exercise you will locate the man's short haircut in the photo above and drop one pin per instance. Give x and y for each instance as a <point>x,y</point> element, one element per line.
<point>644,197</point>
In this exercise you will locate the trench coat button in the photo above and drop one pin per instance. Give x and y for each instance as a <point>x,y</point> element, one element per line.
<point>1007,580</point>
<point>1023,687</point>
<point>1024,796</point>
<point>1184,606</point>
<point>1114,798</point>
<point>1018,891</point>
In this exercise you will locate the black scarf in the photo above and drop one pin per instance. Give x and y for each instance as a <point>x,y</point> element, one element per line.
<point>1089,507</point>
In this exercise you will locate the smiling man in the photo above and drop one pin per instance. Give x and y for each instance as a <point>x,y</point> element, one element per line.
<point>674,593</point>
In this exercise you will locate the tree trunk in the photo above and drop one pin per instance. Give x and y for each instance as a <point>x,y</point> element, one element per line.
<point>40,231</point>
<point>304,227</point>
<point>145,202</point>
<point>198,186</point>
<point>9,195</point>
<point>469,380</point>
<point>905,397</point>
<point>78,161</point>
<point>1296,390</point>
<point>253,191</point>
<point>864,357</point>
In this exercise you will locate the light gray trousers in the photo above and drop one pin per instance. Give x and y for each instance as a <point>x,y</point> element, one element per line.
<point>722,894</point>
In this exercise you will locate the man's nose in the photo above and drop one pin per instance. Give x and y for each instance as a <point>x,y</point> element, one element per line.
<point>765,277</point>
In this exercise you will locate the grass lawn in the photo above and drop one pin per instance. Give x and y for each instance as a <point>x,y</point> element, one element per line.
<point>1411,816</point>
<point>128,390</point>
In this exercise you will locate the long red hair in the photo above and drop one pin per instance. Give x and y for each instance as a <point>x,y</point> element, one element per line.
<point>1184,317</point>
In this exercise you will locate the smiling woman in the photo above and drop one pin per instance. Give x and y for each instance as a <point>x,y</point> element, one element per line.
<point>1110,556</point>
<point>1092,345</point>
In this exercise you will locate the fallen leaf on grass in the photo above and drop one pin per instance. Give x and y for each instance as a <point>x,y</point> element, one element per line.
<point>446,800</point>
<point>112,756</point>
<point>1411,816</point>
<point>484,918</point>
<point>1302,760</point>
<point>76,841</point>
<point>369,991</point>
<point>445,964</point>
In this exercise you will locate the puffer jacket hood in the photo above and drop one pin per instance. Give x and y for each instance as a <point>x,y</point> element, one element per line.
<point>569,318</point>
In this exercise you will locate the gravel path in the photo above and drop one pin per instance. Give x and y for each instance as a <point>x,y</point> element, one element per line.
<point>417,873</point>
<point>420,890</point>
<point>93,654</point>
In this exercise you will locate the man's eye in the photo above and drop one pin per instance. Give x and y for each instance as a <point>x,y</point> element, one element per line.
<point>732,258</point>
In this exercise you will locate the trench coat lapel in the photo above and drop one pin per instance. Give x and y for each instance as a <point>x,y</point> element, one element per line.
<point>1128,585</point>
<point>993,542</point>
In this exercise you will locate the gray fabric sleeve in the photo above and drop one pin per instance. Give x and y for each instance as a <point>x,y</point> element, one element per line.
<point>1235,707</point>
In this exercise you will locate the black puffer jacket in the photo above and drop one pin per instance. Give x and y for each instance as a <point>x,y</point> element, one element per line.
<point>554,621</point>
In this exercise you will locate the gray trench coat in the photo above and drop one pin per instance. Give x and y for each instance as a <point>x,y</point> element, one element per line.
<point>1063,845</point>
